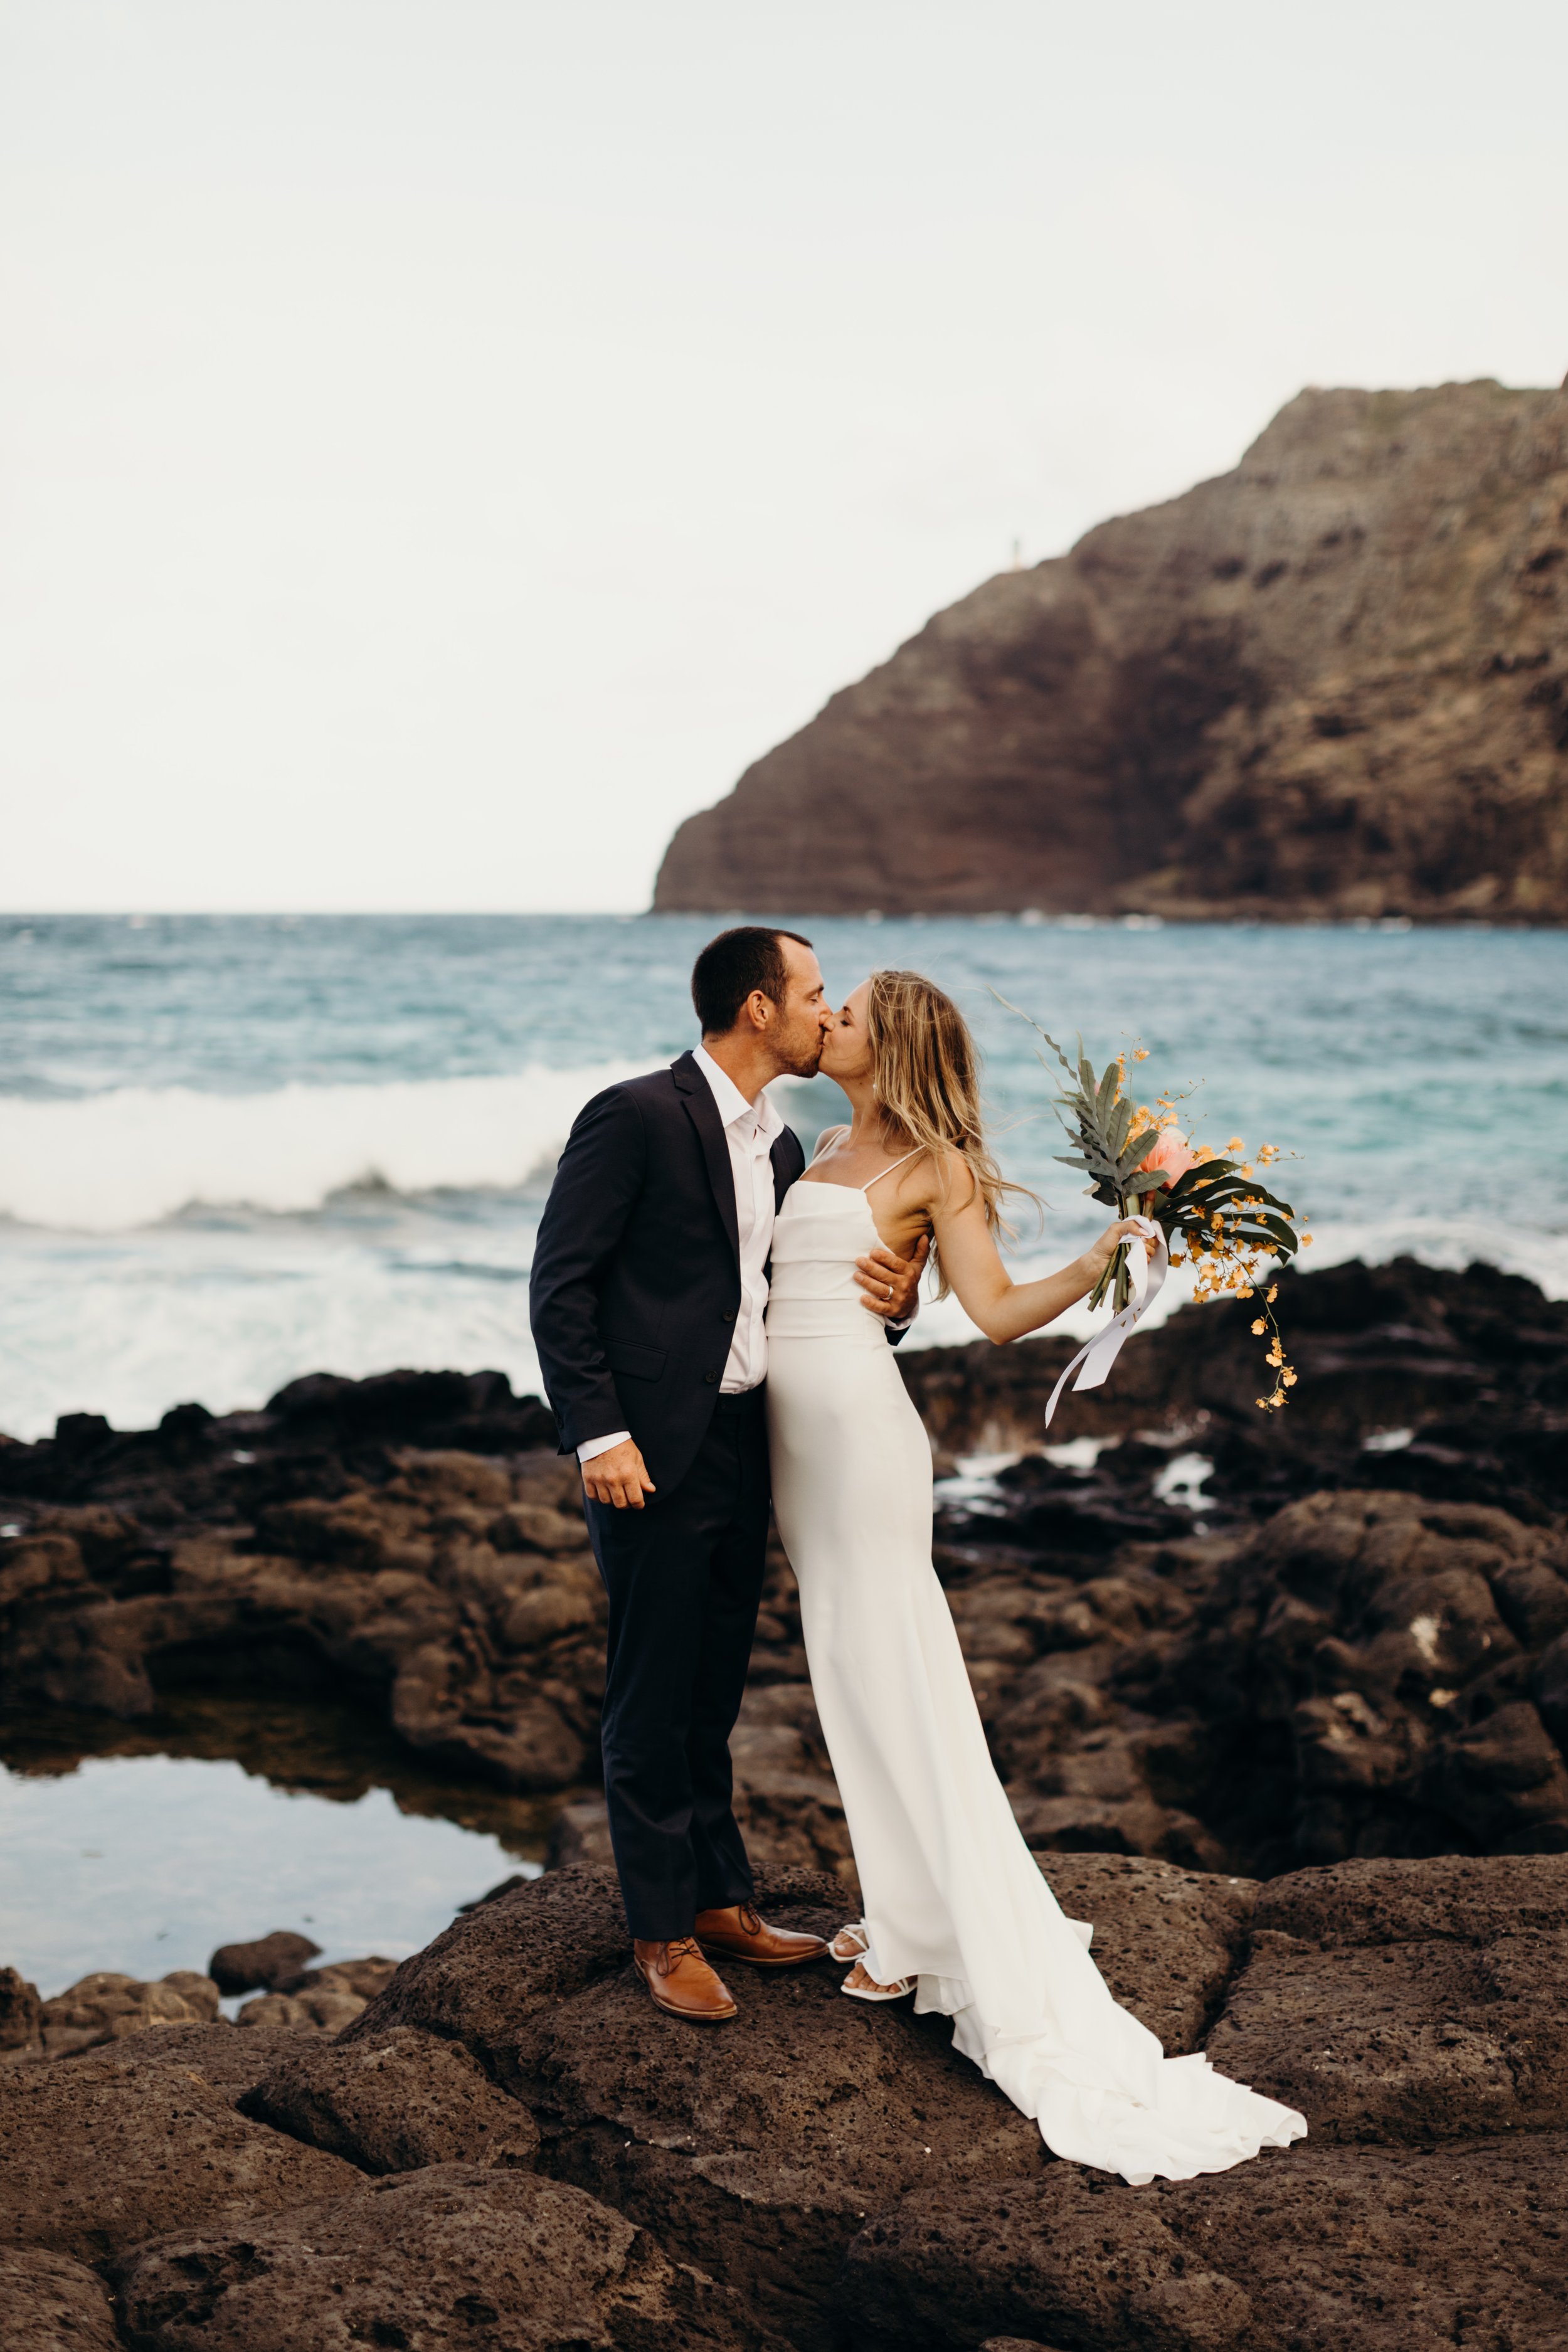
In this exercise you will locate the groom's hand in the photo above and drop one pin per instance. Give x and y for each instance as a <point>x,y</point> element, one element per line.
<point>891,1283</point>
<point>618,1477</point>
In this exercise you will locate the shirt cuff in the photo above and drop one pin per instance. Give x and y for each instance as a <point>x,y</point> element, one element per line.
<point>592,1446</point>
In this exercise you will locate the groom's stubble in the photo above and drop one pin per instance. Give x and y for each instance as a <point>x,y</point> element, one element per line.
<point>805,1015</point>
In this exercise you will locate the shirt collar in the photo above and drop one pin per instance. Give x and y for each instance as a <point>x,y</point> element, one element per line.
<point>763,1115</point>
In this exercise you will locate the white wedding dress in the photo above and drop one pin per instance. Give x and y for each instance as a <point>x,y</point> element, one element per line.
<point>953,1898</point>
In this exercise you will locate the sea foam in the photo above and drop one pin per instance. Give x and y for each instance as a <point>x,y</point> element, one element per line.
<point>131,1156</point>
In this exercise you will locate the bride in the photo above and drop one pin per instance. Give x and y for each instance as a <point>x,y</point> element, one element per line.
<point>956,1909</point>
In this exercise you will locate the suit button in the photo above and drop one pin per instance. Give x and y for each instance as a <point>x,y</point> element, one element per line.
<point>726,1315</point>
<point>710,1378</point>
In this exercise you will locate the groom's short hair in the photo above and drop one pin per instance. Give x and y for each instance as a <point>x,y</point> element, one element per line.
<point>731,966</point>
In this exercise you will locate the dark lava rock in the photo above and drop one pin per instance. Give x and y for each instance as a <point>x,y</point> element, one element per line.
<point>1459,1379</point>
<point>455,1594</point>
<point>394,2105</point>
<point>1312,2250</point>
<point>107,2007</point>
<point>406,1543</point>
<point>1469,1896</point>
<point>838,2171</point>
<point>100,2152</point>
<point>756,2151</point>
<point>1167,1941</point>
<point>453,2256</point>
<point>1417,2000</point>
<point>264,1965</point>
<point>21,2012</point>
<point>50,2304</point>
<point>216,2054</point>
<point>483,1980</point>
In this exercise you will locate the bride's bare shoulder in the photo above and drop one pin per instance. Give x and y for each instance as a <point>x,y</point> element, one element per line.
<point>946,1182</point>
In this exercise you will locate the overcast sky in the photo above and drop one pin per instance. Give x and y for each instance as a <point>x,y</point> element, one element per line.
<point>443,441</point>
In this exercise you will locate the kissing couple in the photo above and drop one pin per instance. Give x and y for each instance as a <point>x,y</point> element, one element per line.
<point>715,1322</point>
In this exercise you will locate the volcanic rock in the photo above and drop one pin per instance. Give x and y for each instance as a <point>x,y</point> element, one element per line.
<point>324,2013</point>
<point>97,2153</point>
<point>1167,1941</point>
<point>756,2152</point>
<point>809,2176</point>
<point>435,1585</point>
<point>1311,2249</point>
<point>105,2007</point>
<point>20,2015</point>
<point>324,1999</point>
<point>50,2304</point>
<point>394,2105</point>
<point>453,2255</point>
<point>1426,2004</point>
<point>1333,682</point>
<point>243,1968</point>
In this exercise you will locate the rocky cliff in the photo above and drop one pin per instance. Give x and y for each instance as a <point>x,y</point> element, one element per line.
<point>1333,683</point>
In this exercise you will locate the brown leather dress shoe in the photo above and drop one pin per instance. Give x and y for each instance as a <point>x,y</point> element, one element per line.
<point>682,1983</point>
<point>741,1934</point>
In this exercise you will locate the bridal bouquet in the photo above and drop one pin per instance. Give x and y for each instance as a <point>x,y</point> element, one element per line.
<point>1212,1211</point>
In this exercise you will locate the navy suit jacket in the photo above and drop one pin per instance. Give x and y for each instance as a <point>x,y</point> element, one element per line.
<point>637,1273</point>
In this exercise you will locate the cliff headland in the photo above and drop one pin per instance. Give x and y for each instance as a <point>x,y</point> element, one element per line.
<point>1333,684</point>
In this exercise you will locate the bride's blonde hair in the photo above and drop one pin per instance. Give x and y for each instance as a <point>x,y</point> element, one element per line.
<point>925,1074</point>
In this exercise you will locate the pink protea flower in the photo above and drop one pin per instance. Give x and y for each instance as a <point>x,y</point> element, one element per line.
<point>1173,1153</point>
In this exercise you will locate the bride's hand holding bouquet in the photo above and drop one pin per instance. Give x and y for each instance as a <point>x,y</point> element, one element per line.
<point>1199,1207</point>
<point>1098,1262</point>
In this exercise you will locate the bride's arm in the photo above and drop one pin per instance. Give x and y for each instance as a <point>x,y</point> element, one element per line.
<point>1005,1309</point>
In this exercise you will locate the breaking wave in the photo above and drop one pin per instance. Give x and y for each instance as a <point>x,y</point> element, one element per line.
<point>135,1155</point>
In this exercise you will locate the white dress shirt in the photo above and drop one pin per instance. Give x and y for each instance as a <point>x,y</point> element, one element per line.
<point>750,1129</point>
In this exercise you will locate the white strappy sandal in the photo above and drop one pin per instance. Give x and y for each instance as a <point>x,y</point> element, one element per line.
<point>852,1943</point>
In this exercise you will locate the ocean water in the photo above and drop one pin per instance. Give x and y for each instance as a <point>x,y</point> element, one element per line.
<point>237,1149</point>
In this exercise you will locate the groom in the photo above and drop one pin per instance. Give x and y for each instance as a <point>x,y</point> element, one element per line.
<point>646,1298</point>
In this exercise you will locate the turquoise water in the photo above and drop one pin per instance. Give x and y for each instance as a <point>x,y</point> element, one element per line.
<point>237,1149</point>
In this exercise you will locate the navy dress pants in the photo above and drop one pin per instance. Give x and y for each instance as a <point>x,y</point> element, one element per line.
<point>684,1577</point>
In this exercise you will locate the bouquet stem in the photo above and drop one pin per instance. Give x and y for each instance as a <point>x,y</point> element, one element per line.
<point>1116,1272</point>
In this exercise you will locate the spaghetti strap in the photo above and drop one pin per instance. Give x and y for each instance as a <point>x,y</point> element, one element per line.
<point>898,1163</point>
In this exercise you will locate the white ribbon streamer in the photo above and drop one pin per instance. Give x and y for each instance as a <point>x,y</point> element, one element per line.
<point>1146,1277</point>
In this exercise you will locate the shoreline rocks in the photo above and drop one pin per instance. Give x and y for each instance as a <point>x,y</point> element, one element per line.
<point>1203,1635</point>
<point>510,2148</point>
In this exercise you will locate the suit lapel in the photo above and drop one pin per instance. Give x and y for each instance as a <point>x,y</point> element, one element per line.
<point>788,1160</point>
<point>703,1112</point>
